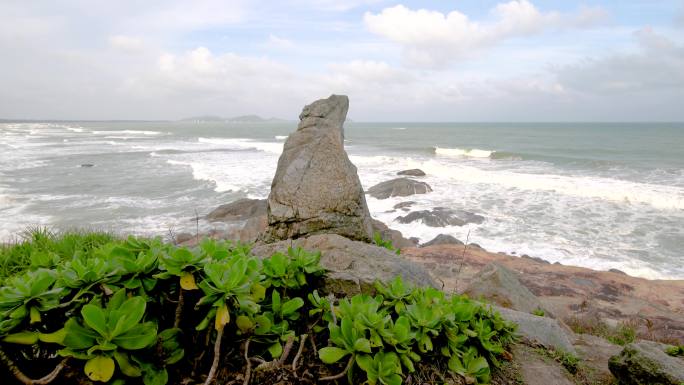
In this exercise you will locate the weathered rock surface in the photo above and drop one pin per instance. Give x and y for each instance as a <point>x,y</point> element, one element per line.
<point>353,266</point>
<point>500,285</point>
<point>442,239</point>
<point>545,331</point>
<point>537,370</point>
<point>595,352</point>
<point>646,362</point>
<point>441,216</point>
<point>412,172</point>
<point>395,236</point>
<point>400,187</point>
<point>240,210</point>
<point>654,307</point>
<point>316,188</point>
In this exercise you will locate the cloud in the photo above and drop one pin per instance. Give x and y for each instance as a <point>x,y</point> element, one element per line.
<point>656,65</point>
<point>125,43</point>
<point>279,42</point>
<point>433,39</point>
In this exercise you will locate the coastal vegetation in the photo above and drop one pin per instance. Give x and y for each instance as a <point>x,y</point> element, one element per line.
<point>87,306</point>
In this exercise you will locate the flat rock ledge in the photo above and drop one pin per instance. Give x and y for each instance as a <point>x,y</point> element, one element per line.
<point>353,266</point>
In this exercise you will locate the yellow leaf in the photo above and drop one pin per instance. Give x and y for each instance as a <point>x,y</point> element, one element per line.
<point>22,338</point>
<point>35,315</point>
<point>100,368</point>
<point>54,337</point>
<point>187,281</point>
<point>244,323</point>
<point>258,292</point>
<point>222,317</point>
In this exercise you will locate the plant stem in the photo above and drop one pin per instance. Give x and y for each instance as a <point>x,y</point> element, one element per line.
<point>342,373</point>
<point>179,307</point>
<point>24,379</point>
<point>302,340</point>
<point>217,356</point>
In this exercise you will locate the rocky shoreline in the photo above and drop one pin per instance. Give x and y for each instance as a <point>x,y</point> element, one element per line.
<point>317,202</point>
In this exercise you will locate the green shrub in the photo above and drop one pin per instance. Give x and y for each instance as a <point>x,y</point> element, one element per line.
<point>106,304</point>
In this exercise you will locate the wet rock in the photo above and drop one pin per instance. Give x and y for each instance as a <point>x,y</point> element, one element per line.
<point>646,362</point>
<point>616,271</point>
<point>316,188</point>
<point>240,210</point>
<point>398,187</point>
<point>500,285</point>
<point>87,165</point>
<point>412,172</point>
<point>403,205</point>
<point>353,266</point>
<point>535,259</point>
<point>441,216</point>
<point>442,239</point>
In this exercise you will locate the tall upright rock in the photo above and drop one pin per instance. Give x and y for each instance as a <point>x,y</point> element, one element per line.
<point>316,188</point>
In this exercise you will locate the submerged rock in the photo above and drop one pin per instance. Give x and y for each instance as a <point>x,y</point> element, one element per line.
<point>87,165</point>
<point>441,216</point>
<point>501,286</point>
<point>412,172</point>
<point>353,266</point>
<point>241,209</point>
<point>442,239</point>
<point>646,362</point>
<point>316,188</point>
<point>399,187</point>
<point>404,205</point>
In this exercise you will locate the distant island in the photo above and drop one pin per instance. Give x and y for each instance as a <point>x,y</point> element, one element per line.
<point>236,119</point>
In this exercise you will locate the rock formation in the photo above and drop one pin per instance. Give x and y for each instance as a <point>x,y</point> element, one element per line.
<point>352,266</point>
<point>441,216</point>
<point>412,172</point>
<point>316,188</point>
<point>240,210</point>
<point>400,187</point>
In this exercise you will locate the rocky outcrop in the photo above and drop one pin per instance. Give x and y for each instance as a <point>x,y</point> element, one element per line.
<point>240,210</point>
<point>353,266</point>
<point>441,216</point>
<point>646,362</point>
<point>543,330</point>
<point>399,187</point>
<point>394,236</point>
<point>501,286</point>
<point>442,239</point>
<point>316,188</point>
<point>412,172</point>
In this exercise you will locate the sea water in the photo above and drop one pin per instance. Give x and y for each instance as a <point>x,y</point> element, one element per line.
<point>590,194</point>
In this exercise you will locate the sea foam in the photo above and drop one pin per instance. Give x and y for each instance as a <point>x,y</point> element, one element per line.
<point>471,153</point>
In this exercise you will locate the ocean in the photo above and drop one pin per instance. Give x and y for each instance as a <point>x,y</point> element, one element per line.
<point>597,195</point>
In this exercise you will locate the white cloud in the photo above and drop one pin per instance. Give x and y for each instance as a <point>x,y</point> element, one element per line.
<point>279,42</point>
<point>433,39</point>
<point>656,65</point>
<point>125,43</point>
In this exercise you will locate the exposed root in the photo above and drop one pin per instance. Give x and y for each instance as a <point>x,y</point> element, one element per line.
<point>302,340</point>
<point>217,356</point>
<point>24,379</point>
<point>271,365</point>
<point>342,373</point>
<point>248,371</point>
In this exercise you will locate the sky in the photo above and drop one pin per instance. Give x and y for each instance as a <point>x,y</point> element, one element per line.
<point>428,60</point>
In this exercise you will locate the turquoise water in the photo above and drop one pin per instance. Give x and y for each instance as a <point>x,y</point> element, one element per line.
<point>589,194</point>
